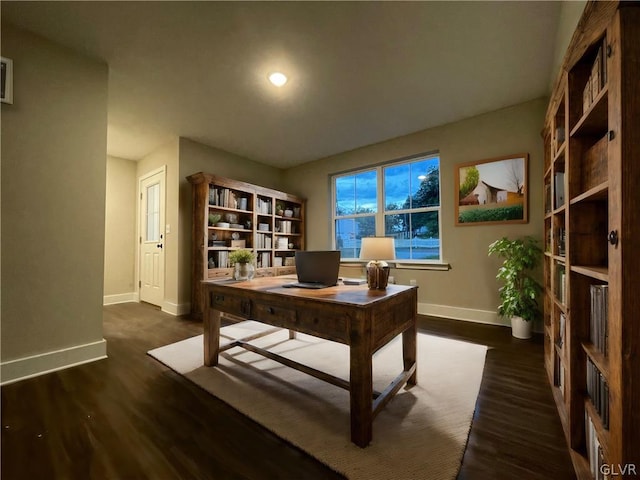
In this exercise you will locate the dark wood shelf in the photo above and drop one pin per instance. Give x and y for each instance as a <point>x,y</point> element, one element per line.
<point>595,119</point>
<point>598,358</point>
<point>581,465</point>
<point>603,433</point>
<point>597,193</point>
<point>597,272</point>
<point>600,163</point>
<point>232,193</point>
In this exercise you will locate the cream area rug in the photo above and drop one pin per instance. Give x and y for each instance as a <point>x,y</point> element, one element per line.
<point>420,434</point>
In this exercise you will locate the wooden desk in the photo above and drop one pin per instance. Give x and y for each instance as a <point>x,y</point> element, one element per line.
<point>364,319</point>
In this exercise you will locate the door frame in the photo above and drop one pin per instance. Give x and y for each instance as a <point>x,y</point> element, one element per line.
<point>138,239</point>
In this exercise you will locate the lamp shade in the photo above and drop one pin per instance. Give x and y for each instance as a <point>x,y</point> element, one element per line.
<point>378,248</point>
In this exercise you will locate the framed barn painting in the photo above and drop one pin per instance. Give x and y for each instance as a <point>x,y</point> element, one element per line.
<point>492,191</point>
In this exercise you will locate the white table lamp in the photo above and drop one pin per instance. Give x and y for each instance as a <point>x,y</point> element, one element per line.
<point>377,250</point>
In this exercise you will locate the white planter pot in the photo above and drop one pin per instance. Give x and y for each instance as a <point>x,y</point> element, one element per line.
<point>520,328</point>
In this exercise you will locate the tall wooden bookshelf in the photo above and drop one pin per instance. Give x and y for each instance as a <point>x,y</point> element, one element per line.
<point>592,231</point>
<point>229,215</point>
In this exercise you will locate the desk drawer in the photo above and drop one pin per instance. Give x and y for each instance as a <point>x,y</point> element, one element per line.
<point>305,320</point>
<point>232,304</point>
<point>275,315</point>
<point>328,325</point>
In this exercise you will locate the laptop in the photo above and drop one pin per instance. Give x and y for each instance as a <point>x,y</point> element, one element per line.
<point>316,269</point>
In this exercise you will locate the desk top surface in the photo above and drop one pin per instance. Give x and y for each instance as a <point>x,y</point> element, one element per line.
<point>346,294</point>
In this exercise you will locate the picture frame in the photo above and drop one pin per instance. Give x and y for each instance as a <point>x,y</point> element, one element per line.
<point>492,191</point>
<point>6,80</point>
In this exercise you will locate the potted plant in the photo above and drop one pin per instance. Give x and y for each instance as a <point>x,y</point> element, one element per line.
<point>242,260</point>
<point>519,292</point>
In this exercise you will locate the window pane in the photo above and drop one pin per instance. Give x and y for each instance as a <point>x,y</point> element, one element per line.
<point>396,187</point>
<point>412,185</point>
<point>356,193</point>
<point>153,213</point>
<point>416,235</point>
<point>425,183</point>
<point>349,232</point>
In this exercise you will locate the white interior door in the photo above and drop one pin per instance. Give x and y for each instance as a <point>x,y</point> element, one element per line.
<point>152,193</point>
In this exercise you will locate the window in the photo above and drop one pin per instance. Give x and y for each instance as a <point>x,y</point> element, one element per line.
<point>399,200</point>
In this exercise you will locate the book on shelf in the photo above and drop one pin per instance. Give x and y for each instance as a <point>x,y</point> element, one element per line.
<point>263,206</point>
<point>264,260</point>
<point>561,241</point>
<point>226,198</point>
<point>559,135</point>
<point>597,78</point>
<point>286,226</point>
<point>598,390</point>
<point>561,287</point>
<point>559,189</point>
<point>263,240</point>
<point>547,198</point>
<point>598,323</point>
<point>594,451</point>
<point>218,259</point>
<point>558,374</point>
<point>561,329</point>
<point>547,245</point>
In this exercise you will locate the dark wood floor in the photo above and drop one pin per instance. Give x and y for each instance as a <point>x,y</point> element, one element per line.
<point>129,417</point>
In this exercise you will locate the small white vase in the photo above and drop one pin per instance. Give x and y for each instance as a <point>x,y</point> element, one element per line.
<point>244,271</point>
<point>520,328</point>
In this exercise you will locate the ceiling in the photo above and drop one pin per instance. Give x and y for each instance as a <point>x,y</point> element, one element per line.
<point>359,72</point>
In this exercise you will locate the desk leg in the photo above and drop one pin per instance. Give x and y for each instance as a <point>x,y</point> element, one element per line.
<point>211,333</point>
<point>361,387</point>
<point>409,350</point>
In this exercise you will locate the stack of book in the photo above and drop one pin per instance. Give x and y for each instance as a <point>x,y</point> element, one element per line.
<point>559,374</point>
<point>594,451</point>
<point>286,226</point>
<point>561,287</point>
<point>559,189</point>
<point>598,390</point>
<point>598,325</point>
<point>264,260</point>
<point>263,240</point>
<point>223,197</point>
<point>562,327</point>
<point>596,81</point>
<point>561,242</point>
<point>263,206</point>
<point>219,259</point>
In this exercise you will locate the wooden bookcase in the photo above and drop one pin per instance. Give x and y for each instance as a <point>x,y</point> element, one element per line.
<point>592,232</point>
<point>230,214</point>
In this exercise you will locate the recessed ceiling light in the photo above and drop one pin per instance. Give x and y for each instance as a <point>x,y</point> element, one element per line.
<point>278,79</point>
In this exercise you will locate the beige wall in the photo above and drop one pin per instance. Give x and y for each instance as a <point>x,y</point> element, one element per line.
<point>53,194</point>
<point>120,231</point>
<point>469,289</point>
<point>196,157</point>
<point>167,156</point>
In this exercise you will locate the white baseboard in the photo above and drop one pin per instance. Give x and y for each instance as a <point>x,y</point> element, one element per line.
<point>177,309</point>
<point>35,365</point>
<point>459,313</point>
<point>120,298</point>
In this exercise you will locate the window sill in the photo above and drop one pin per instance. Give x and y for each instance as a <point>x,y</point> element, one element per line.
<point>404,265</point>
